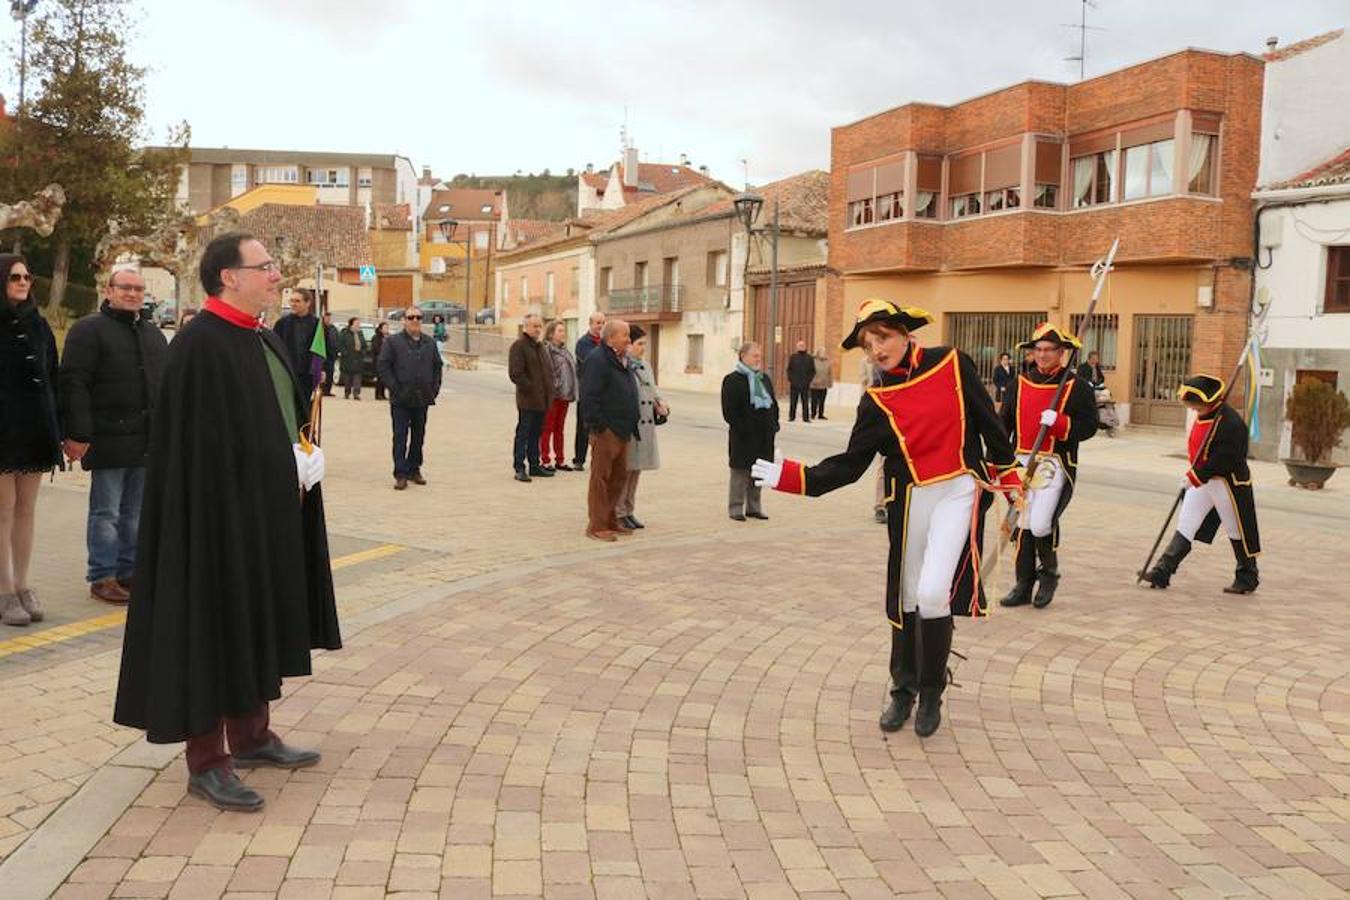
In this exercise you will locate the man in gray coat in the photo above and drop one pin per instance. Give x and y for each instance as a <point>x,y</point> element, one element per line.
<point>410,367</point>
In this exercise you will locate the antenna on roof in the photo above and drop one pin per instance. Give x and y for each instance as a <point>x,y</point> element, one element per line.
<point>625,139</point>
<point>1083,28</point>
<point>745,167</point>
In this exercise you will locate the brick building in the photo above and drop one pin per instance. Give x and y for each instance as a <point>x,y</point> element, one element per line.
<point>989,212</point>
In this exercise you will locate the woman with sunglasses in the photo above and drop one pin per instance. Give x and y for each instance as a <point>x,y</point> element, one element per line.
<point>30,438</point>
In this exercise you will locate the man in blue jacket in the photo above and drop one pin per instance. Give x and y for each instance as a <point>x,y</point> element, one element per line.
<point>610,396</point>
<point>587,344</point>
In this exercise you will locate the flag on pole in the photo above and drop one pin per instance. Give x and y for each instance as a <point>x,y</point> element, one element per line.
<point>1253,404</point>
<point>318,349</point>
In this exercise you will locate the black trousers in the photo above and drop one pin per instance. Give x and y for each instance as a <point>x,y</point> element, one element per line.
<point>583,439</point>
<point>818,402</point>
<point>410,428</point>
<point>529,426</point>
<point>803,394</point>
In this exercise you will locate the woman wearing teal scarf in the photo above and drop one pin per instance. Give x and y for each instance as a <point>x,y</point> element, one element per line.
<point>749,407</point>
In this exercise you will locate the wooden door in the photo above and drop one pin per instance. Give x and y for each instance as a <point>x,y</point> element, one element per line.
<point>795,321</point>
<point>1162,358</point>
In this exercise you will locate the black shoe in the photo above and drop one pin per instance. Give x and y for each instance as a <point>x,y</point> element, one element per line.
<point>1245,578</point>
<point>578,466</point>
<point>540,472</point>
<point>416,478</point>
<point>223,790</point>
<point>758,515</point>
<point>1020,595</point>
<point>929,716</point>
<point>1160,576</point>
<point>879,516</point>
<point>897,710</point>
<point>632,522</point>
<point>277,755</point>
<point>1048,574</point>
<point>737,517</point>
<point>822,418</point>
<point>563,467</point>
<point>522,475</point>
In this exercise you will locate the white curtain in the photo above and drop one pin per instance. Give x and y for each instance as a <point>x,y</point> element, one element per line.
<point>923,200</point>
<point>1200,144</point>
<point>1082,179</point>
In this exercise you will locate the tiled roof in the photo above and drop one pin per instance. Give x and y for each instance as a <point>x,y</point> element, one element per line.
<point>464,203</point>
<point>653,178</point>
<point>1334,171</point>
<point>393,216</point>
<point>803,202</point>
<point>524,231</point>
<point>595,223</point>
<point>336,235</point>
<point>1280,54</point>
<point>597,180</point>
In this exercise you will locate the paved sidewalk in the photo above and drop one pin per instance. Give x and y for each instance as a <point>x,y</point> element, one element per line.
<point>691,713</point>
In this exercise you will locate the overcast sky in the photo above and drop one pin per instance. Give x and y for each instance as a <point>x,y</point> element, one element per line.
<point>492,86</point>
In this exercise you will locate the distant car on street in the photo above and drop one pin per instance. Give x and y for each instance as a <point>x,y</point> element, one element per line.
<point>486,316</point>
<point>166,315</point>
<point>453,313</point>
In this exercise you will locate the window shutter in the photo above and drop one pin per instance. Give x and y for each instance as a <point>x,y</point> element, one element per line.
<point>891,178</point>
<point>860,184</point>
<point>1205,123</point>
<point>1089,145</point>
<point>1148,134</point>
<point>964,174</point>
<point>930,174</point>
<point>1003,167</point>
<point>1048,156</point>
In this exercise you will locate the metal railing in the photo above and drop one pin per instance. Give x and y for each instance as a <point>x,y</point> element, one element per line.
<point>655,298</point>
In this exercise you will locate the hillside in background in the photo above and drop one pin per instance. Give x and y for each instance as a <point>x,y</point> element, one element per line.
<point>542,196</point>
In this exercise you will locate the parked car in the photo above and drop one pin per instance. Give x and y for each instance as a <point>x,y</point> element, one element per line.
<point>486,316</point>
<point>166,315</point>
<point>454,313</point>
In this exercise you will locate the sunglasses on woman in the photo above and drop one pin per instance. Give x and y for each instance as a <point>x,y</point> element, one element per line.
<point>20,276</point>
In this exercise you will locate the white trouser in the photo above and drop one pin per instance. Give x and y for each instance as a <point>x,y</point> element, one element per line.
<point>1213,494</point>
<point>1038,516</point>
<point>936,531</point>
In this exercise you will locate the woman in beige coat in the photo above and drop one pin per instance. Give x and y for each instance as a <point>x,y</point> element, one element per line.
<point>643,454</point>
<point>821,383</point>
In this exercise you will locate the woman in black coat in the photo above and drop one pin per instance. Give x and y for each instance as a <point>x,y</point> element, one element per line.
<point>1003,377</point>
<point>30,438</point>
<point>376,345</point>
<point>751,409</point>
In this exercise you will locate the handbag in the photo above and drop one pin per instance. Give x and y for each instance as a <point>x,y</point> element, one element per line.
<point>658,418</point>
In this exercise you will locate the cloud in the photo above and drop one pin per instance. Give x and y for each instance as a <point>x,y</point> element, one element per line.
<point>350,23</point>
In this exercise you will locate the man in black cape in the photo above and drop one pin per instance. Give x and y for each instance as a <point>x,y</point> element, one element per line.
<point>233,584</point>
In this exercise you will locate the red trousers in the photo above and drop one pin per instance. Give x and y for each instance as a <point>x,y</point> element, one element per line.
<point>554,420</point>
<point>207,751</point>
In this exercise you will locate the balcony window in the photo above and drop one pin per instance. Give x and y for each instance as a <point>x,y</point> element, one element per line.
<point>889,207</point>
<point>1200,166</point>
<point>1093,178</point>
<point>926,205</point>
<point>1004,198</point>
<point>929,184</point>
<point>1046,174</point>
<point>964,205</point>
<point>1337,297</point>
<point>1047,196</point>
<point>1148,170</point>
<point>860,212</point>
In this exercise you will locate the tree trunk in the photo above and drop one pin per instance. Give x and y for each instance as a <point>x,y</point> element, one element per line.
<point>60,271</point>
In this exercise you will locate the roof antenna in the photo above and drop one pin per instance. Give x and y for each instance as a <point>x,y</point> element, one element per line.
<point>1083,28</point>
<point>745,167</point>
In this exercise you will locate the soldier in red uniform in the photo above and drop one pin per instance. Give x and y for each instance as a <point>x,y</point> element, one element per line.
<point>1026,407</point>
<point>1218,487</point>
<point>934,424</point>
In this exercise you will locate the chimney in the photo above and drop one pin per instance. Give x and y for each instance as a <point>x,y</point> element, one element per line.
<point>426,173</point>
<point>703,170</point>
<point>590,168</point>
<point>630,167</point>
<point>684,159</point>
<point>1271,43</point>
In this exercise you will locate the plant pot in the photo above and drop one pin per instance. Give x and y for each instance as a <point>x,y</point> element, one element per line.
<point>1308,475</point>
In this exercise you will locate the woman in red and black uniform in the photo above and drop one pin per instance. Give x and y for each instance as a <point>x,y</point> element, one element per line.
<point>933,422</point>
<point>1025,409</point>
<point>1218,487</point>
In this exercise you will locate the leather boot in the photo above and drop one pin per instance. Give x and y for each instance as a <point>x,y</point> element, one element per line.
<point>1048,574</point>
<point>904,675</point>
<point>937,646</point>
<point>223,790</point>
<point>1160,576</point>
<point>1020,595</point>
<point>1245,578</point>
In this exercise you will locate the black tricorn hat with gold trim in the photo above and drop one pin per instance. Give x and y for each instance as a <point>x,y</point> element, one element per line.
<point>1201,388</point>
<point>1048,331</point>
<point>884,312</point>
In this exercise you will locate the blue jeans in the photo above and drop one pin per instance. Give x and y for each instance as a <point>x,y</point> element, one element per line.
<point>410,427</point>
<point>114,518</point>
<point>529,426</point>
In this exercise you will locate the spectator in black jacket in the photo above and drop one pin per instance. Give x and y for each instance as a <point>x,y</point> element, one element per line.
<point>30,445</point>
<point>330,339</point>
<point>801,368</point>
<point>751,410</point>
<point>109,380</point>
<point>352,354</point>
<point>297,333</point>
<point>1003,376</point>
<point>610,396</point>
<point>587,344</point>
<point>410,367</point>
<point>1092,371</point>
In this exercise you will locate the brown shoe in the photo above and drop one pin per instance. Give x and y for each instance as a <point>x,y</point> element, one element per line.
<point>416,478</point>
<point>109,591</point>
<point>621,530</point>
<point>400,484</point>
<point>601,536</point>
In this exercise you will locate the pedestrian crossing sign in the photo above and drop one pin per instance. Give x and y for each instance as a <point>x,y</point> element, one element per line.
<point>367,274</point>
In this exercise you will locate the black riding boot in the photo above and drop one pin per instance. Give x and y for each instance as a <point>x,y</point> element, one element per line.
<point>904,674</point>
<point>1048,575</point>
<point>1160,576</point>
<point>1245,579</point>
<point>1020,595</point>
<point>937,646</point>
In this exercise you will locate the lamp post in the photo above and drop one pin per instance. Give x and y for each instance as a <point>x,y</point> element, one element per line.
<point>19,10</point>
<point>448,228</point>
<point>748,207</point>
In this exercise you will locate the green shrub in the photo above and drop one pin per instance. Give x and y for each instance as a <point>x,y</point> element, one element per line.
<point>80,299</point>
<point>1320,414</point>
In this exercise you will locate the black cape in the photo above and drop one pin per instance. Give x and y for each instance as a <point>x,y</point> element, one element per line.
<point>233,586</point>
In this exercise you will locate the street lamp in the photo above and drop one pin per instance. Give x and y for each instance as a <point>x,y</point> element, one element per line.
<point>19,10</point>
<point>448,228</point>
<point>748,207</point>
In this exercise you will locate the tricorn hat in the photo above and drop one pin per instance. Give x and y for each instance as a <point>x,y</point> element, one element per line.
<point>884,312</point>
<point>636,332</point>
<point>1047,331</point>
<point>1201,388</point>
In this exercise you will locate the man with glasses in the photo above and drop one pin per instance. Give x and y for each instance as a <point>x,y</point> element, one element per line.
<point>297,335</point>
<point>110,374</point>
<point>233,582</point>
<point>410,368</point>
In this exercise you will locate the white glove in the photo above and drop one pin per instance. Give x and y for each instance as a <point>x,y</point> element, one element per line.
<point>767,474</point>
<point>316,468</point>
<point>1186,482</point>
<point>1049,417</point>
